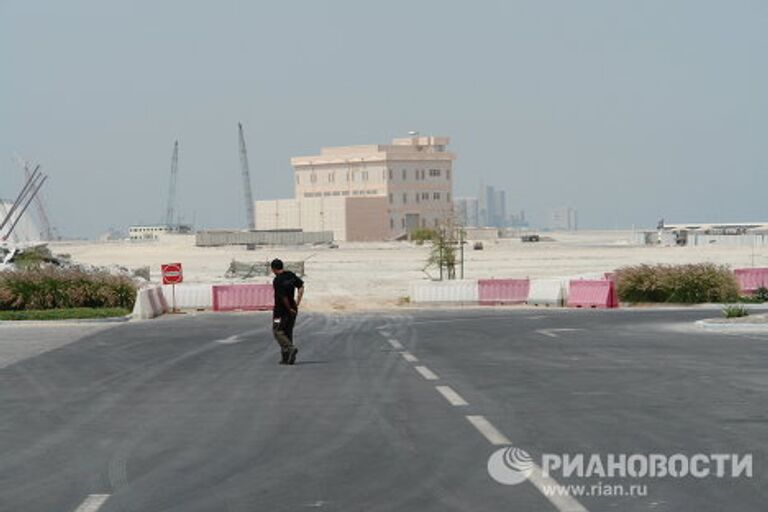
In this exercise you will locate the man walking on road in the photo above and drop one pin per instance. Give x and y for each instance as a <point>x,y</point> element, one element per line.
<point>286,308</point>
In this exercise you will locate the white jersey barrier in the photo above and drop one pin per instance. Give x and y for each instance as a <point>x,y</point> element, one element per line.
<point>463,291</point>
<point>150,303</point>
<point>547,292</point>
<point>190,295</point>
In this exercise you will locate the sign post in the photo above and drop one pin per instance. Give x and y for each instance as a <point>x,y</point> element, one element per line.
<point>172,275</point>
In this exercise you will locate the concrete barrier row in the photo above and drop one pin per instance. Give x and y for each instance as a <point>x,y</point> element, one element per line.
<point>577,293</point>
<point>156,300</point>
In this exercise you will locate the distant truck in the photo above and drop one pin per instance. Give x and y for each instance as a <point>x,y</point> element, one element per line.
<point>530,238</point>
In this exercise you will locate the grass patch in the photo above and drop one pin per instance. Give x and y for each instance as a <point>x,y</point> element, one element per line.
<point>63,314</point>
<point>735,311</point>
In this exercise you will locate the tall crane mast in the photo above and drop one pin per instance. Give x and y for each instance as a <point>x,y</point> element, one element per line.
<point>251,217</point>
<point>171,208</point>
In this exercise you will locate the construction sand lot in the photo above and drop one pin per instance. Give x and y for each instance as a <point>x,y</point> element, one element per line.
<point>377,275</point>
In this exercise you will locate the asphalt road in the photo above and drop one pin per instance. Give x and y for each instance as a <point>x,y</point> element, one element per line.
<point>193,413</point>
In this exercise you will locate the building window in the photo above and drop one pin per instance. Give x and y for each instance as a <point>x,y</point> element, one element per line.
<point>391,198</point>
<point>436,196</point>
<point>405,175</point>
<point>423,174</point>
<point>405,198</point>
<point>313,178</point>
<point>436,223</point>
<point>365,175</point>
<point>418,197</point>
<point>403,221</point>
<point>433,173</point>
<point>447,174</point>
<point>298,179</point>
<point>391,223</point>
<point>332,177</point>
<point>448,197</point>
<point>425,195</point>
<point>390,174</point>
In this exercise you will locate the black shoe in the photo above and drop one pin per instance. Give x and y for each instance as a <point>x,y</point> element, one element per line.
<point>292,356</point>
<point>285,357</point>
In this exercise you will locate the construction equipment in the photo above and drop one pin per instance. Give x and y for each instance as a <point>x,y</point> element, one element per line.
<point>251,217</point>
<point>171,207</point>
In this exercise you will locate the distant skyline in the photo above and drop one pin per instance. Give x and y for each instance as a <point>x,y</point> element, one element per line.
<point>625,111</point>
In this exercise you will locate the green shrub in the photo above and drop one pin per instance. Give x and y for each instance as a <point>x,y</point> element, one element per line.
<point>422,235</point>
<point>55,288</point>
<point>761,294</point>
<point>687,284</point>
<point>735,311</point>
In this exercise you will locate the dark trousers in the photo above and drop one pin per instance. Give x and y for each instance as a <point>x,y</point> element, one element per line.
<point>283,331</point>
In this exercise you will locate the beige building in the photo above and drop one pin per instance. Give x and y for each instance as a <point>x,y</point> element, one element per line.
<point>365,193</point>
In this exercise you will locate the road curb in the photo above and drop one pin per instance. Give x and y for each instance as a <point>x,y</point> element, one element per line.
<point>73,321</point>
<point>711,325</point>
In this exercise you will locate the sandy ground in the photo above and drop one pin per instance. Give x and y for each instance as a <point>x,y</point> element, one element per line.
<point>376,275</point>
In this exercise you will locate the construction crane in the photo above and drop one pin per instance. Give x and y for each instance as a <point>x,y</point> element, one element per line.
<point>251,217</point>
<point>47,230</point>
<point>170,210</point>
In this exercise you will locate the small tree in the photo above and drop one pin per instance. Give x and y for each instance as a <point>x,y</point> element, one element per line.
<point>445,244</point>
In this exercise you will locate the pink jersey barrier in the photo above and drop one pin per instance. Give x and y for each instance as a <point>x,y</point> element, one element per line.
<point>750,279</point>
<point>592,294</point>
<point>503,291</point>
<point>243,297</point>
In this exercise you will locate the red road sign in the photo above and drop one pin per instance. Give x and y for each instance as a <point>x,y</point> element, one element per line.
<point>172,273</point>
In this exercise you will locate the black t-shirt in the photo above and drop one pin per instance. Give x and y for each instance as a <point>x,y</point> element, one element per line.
<point>285,284</point>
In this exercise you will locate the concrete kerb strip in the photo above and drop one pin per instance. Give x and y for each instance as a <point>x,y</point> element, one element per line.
<point>64,323</point>
<point>725,327</point>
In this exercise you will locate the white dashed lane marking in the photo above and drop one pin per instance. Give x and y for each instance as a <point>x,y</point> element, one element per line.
<point>490,432</point>
<point>554,333</point>
<point>453,397</point>
<point>409,357</point>
<point>426,373</point>
<point>92,503</point>
<point>396,344</point>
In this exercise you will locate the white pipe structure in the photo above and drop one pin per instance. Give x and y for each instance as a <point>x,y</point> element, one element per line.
<point>26,205</point>
<point>20,198</point>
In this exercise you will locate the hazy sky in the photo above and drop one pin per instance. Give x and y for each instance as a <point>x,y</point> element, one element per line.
<point>625,110</point>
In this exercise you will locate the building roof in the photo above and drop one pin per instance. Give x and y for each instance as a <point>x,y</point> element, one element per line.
<point>416,148</point>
